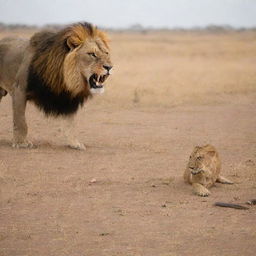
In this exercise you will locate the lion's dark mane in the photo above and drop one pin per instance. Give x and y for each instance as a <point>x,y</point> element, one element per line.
<point>50,102</point>
<point>45,83</point>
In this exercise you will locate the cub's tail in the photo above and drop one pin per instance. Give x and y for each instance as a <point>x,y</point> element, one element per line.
<point>3,93</point>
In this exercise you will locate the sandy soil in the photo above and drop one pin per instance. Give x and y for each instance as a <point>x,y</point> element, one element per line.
<point>125,195</point>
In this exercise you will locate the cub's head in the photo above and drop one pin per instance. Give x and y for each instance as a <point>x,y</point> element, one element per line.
<point>87,65</point>
<point>200,158</point>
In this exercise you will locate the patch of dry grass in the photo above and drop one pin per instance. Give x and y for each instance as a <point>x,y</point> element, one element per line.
<point>167,69</point>
<point>172,68</point>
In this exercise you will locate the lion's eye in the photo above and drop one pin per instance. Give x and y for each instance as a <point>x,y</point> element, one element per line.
<point>199,158</point>
<point>92,54</point>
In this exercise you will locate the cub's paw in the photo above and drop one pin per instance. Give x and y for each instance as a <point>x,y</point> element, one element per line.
<point>25,144</point>
<point>202,192</point>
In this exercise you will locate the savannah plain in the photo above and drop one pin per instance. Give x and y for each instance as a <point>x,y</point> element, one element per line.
<point>125,195</point>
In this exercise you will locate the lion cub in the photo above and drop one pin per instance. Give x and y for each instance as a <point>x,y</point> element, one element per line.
<point>203,170</point>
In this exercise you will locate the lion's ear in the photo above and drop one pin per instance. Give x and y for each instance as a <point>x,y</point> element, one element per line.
<point>71,44</point>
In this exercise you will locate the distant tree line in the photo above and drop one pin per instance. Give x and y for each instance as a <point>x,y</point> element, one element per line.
<point>133,28</point>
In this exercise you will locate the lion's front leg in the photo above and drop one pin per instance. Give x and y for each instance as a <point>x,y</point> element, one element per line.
<point>20,128</point>
<point>69,133</point>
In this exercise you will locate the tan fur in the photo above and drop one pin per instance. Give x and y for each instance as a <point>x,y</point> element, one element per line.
<point>203,170</point>
<point>64,69</point>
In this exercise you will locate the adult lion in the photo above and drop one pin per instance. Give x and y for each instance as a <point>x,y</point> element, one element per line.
<point>57,71</point>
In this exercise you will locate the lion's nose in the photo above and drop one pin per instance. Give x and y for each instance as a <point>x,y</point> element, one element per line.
<point>107,67</point>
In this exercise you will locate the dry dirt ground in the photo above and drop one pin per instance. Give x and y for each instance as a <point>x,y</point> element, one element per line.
<point>124,195</point>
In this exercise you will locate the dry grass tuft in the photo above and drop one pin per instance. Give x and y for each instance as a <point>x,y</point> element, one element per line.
<point>172,68</point>
<point>167,69</point>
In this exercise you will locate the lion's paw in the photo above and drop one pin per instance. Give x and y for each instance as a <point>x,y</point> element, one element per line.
<point>25,144</point>
<point>77,145</point>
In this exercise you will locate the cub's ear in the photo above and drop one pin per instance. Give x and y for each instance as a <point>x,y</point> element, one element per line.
<point>72,44</point>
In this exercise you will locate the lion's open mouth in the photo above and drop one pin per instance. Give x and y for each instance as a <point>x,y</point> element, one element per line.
<point>96,83</point>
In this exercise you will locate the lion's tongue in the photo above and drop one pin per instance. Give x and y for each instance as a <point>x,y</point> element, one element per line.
<point>97,84</point>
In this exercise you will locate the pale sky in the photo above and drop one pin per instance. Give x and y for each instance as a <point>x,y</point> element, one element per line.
<point>123,13</point>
